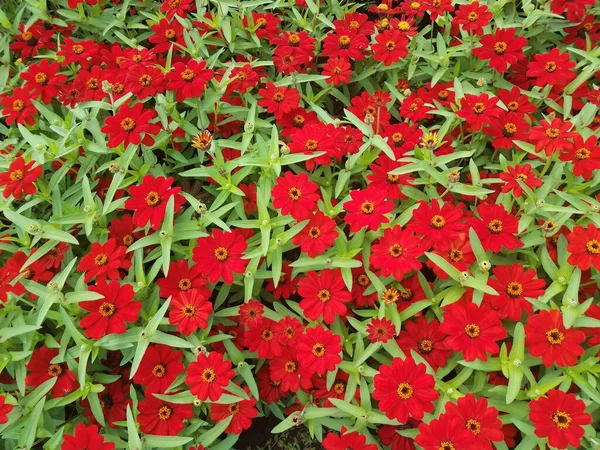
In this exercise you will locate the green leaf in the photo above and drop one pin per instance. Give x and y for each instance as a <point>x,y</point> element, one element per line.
<point>165,441</point>
<point>133,438</point>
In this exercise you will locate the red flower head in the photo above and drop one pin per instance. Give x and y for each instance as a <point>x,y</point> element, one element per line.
<point>516,174</point>
<point>278,100</point>
<point>402,137</point>
<point>295,195</point>
<point>179,8</point>
<point>445,433</point>
<point>584,155</point>
<point>242,414</point>
<point>18,107</point>
<point>552,136</point>
<point>114,400</point>
<point>426,339</point>
<point>496,228</point>
<point>347,441</point>
<point>323,295</point>
<point>318,351</point>
<point>551,68</point>
<point>40,368</point>
<point>515,285</point>
<point>286,369</point>
<point>547,337</point>
<point>380,330</point>
<point>78,52</point>
<point>86,437</point>
<point>367,209</point>
<point>108,315</point>
<point>584,246</point>
<point>473,330</point>
<point>264,25</point>
<point>158,369</point>
<point>181,279</point>
<point>104,261</point>
<point>161,418</point>
<point>457,252</point>
<point>145,81</point>
<point>220,255</point>
<point>208,375</point>
<point>251,313</point>
<point>20,178</point>
<point>262,339</point>
<point>286,286</point>
<point>5,409</point>
<point>167,34</point>
<point>478,110</point>
<point>502,48</point>
<point>126,127</point>
<point>29,41</point>
<point>317,236</point>
<point>188,80</point>
<point>149,200</point>
<point>381,179</point>
<point>389,436</point>
<point>269,391</point>
<point>338,70</point>
<point>560,417</point>
<point>390,47</point>
<point>404,389</point>
<point>472,17</point>
<point>437,224</point>
<point>43,81</point>
<point>190,311</point>
<point>288,330</point>
<point>506,128</point>
<point>397,252</point>
<point>345,42</point>
<point>479,418</point>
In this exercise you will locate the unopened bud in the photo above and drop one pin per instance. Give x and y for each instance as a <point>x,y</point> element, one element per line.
<point>107,86</point>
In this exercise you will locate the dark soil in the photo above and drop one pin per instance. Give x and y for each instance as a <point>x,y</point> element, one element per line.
<point>259,437</point>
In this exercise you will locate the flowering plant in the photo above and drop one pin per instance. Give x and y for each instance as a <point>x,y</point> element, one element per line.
<point>377,221</point>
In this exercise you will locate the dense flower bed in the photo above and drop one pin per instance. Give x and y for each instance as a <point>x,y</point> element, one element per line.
<point>375,220</point>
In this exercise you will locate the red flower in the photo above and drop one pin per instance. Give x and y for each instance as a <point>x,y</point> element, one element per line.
<point>367,209</point>
<point>269,391</point>
<point>318,351</point>
<point>381,179</point>
<point>473,330</point>
<point>288,330</point>
<point>249,198</point>
<point>264,25</point>
<point>478,110</point>
<point>547,337</point>
<point>179,8</point>
<point>560,417</point>
<point>338,70</point>
<point>242,414</point>
<point>502,48</point>
<point>584,247</point>
<point>437,224</point>
<point>262,339</point>
<point>552,136</point>
<point>551,68</point>
<point>506,128</point>
<point>85,437</point>
<point>161,418</point>
<point>445,433</point>
<point>317,236</point>
<point>390,436</point>
<point>426,339</point>
<point>295,195</point>
<point>345,42</point>
<point>28,42</point>
<point>397,252</point>
<point>188,80</point>
<point>145,81</point>
<point>278,100</point>
<point>190,310</point>
<point>380,330</point>
<point>78,52</point>
<point>457,252</point>
<point>40,368</point>
<point>104,261</point>
<point>18,107</point>
<point>390,47</point>
<point>515,285</point>
<point>108,315</point>
<point>496,228</point>
<point>251,313</point>
<point>285,369</point>
<point>323,295</point>
<point>114,400</point>
<point>36,271</point>
<point>5,408</point>
<point>347,441</point>
<point>126,127</point>
<point>413,107</point>
<point>286,285</point>
<point>402,137</point>
<point>220,255</point>
<point>479,418</point>
<point>473,17</point>
<point>181,279</point>
<point>149,200</point>
<point>43,81</point>
<point>516,174</point>
<point>158,369</point>
<point>167,34</point>
<point>208,375</point>
<point>404,389</point>
<point>20,178</point>
<point>584,155</point>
